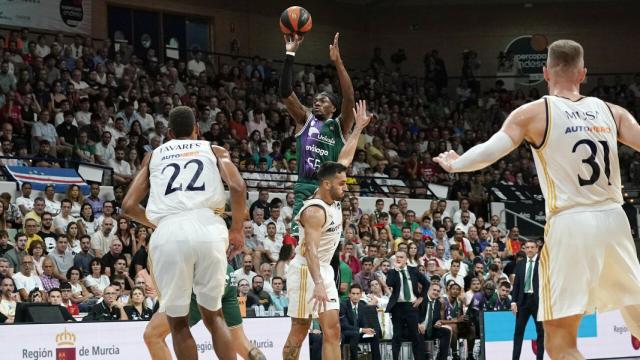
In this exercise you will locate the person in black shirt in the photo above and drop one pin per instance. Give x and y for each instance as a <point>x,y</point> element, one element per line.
<point>136,310</point>
<point>257,296</point>
<point>4,242</point>
<point>67,133</point>
<point>55,298</point>
<point>109,309</point>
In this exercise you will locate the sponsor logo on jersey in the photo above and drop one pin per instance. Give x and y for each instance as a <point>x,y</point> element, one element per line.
<point>595,129</point>
<point>317,150</point>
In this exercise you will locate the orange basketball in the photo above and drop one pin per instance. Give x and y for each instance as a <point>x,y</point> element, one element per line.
<point>295,19</point>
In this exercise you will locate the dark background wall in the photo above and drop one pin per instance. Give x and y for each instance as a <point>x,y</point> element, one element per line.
<point>607,29</point>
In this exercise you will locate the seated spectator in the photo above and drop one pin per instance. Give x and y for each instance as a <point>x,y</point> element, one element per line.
<point>257,296</point>
<point>379,296</point>
<point>430,317</point>
<point>354,325</point>
<point>31,229</point>
<point>87,223</point>
<point>8,301</point>
<point>63,219</point>
<point>49,276</point>
<point>26,280</point>
<point>4,243</point>
<point>79,292</point>
<point>121,169</point>
<point>66,301</point>
<point>82,260</point>
<point>61,256</point>
<point>245,272</point>
<point>136,309</point>
<point>266,272</point>
<point>349,257</point>
<point>109,309</point>
<point>24,201</point>
<point>271,245</point>
<point>35,213</point>
<point>51,205</point>
<point>4,268</point>
<point>96,281</point>
<point>15,255</point>
<point>120,271</point>
<point>278,297</point>
<point>453,274</point>
<point>366,275</point>
<point>43,157</point>
<point>101,241</point>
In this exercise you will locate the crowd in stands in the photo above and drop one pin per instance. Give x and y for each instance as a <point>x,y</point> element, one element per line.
<point>64,101</point>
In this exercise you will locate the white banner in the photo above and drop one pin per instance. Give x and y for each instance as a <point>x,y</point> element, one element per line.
<point>123,340</point>
<point>52,15</point>
<point>612,340</point>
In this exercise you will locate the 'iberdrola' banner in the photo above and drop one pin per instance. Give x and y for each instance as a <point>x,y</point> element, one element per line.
<point>52,15</point>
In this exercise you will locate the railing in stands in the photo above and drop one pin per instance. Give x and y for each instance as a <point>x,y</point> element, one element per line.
<point>517,216</point>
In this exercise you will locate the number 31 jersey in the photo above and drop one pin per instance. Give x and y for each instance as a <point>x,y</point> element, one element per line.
<point>183,176</point>
<point>577,163</point>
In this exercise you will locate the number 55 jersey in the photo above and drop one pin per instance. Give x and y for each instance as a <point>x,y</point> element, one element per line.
<point>577,162</point>
<point>184,176</point>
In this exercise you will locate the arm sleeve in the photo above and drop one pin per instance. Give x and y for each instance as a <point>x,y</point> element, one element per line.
<point>485,154</point>
<point>286,77</point>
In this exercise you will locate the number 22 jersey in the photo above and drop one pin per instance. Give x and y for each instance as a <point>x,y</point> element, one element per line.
<point>183,176</point>
<point>577,162</point>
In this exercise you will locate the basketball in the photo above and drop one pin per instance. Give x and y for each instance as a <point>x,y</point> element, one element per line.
<point>295,19</point>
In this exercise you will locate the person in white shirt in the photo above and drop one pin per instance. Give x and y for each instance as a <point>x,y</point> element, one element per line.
<point>274,212</point>
<point>464,206</point>
<point>453,274</point>
<point>266,271</point>
<point>259,227</point>
<point>104,151</point>
<point>43,130</point>
<point>83,116</point>
<point>42,49</point>
<point>196,65</point>
<point>50,204</point>
<point>121,169</point>
<point>80,85</point>
<point>26,280</point>
<point>245,272</point>
<point>146,120</point>
<point>271,245</point>
<point>24,202</point>
<point>101,240</point>
<point>117,131</point>
<point>63,219</point>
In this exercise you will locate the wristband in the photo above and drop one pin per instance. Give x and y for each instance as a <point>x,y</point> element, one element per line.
<point>292,53</point>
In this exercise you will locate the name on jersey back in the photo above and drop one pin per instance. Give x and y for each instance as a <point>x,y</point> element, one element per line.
<point>174,151</point>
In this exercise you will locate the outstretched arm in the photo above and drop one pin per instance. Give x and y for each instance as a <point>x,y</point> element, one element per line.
<point>362,120</point>
<point>511,134</point>
<point>346,87</point>
<point>628,128</point>
<point>295,108</point>
<point>137,191</point>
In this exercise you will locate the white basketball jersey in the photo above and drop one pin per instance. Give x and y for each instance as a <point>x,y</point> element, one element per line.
<point>331,230</point>
<point>577,163</point>
<point>183,175</point>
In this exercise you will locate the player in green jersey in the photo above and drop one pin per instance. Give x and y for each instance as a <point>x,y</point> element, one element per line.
<point>319,136</point>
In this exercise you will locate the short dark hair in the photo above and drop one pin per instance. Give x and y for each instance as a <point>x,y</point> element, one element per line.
<point>505,284</point>
<point>181,121</point>
<point>329,170</point>
<point>367,259</point>
<point>455,261</point>
<point>356,286</point>
<point>277,278</point>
